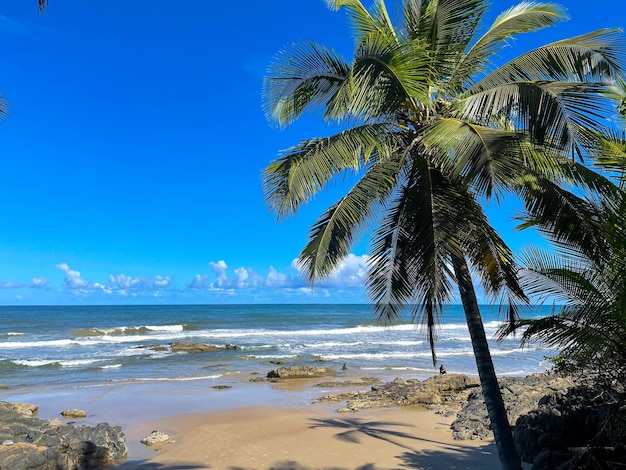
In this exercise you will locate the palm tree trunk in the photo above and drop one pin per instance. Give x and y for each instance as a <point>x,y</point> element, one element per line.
<point>509,458</point>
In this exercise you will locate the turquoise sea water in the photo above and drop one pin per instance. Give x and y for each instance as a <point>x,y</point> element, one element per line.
<point>48,348</point>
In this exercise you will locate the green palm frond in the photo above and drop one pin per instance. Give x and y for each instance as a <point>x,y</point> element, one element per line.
<point>566,218</point>
<point>305,169</point>
<point>305,75</point>
<point>593,57</point>
<point>410,246</point>
<point>522,18</point>
<point>448,26</point>
<point>386,75</point>
<point>557,114</point>
<point>611,154</point>
<point>331,237</point>
<point>488,157</point>
<point>364,23</point>
<point>490,257</point>
<point>564,276</point>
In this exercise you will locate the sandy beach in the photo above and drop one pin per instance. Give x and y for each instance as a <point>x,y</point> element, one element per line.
<point>308,437</point>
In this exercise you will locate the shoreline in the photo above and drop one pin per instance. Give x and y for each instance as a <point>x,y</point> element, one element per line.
<point>263,425</point>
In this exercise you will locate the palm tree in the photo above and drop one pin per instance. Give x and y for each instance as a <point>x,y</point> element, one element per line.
<point>432,129</point>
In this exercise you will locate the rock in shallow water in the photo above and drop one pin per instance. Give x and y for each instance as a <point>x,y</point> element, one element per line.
<point>74,413</point>
<point>156,438</point>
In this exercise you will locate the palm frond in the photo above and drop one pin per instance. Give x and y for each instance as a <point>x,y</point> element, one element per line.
<point>364,22</point>
<point>557,114</point>
<point>593,57</point>
<point>42,5</point>
<point>331,237</point>
<point>566,218</point>
<point>410,246</point>
<point>386,75</point>
<point>304,75</point>
<point>448,26</point>
<point>522,18</point>
<point>488,157</point>
<point>565,277</point>
<point>305,169</point>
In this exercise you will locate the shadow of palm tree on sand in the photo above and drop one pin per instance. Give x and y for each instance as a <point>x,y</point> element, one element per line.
<point>449,456</point>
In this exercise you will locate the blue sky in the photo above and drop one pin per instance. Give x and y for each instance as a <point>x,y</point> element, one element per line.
<point>135,142</point>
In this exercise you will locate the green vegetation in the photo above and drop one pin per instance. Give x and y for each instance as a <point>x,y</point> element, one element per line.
<point>433,129</point>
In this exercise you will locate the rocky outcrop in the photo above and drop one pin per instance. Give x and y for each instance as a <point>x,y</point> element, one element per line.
<point>28,410</point>
<point>568,428</point>
<point>37,444</point>
<point>193,347</point>
<point>300,372</point>
<point>437,391</point>
<point>520,395</point>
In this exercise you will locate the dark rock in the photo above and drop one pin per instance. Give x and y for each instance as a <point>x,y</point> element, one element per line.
<point>221,387</point>
<point>48,445</point>
<point>520,395</point>
<point>562,421</point>
<point>299,372</point>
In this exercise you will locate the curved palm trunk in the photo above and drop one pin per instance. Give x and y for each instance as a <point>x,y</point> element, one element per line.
<point>503,436</point>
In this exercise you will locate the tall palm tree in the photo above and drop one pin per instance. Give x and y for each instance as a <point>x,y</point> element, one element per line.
<point>432,129</point>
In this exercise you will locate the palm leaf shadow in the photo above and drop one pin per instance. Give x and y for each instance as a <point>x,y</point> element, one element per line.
<point>351,430</point>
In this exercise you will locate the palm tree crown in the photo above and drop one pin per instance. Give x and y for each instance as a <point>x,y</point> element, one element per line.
<point>431,126</point>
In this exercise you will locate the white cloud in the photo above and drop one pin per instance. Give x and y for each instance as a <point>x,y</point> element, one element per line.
<point>73,279</point>
<point>122,282</point>
<point>38,283</point>
<point>242,277</point>
<point>161,282</point>
<point>199,282</point>
<point>10,285</point>
<point>219,269</point>
<point>350,273</point>
<point>276,279</point>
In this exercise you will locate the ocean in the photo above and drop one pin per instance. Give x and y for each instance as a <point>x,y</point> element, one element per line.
<point>72,347</point>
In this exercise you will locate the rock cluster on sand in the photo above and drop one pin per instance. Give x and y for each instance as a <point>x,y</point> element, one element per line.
<point>74,413</point>
<point>156,439</point>
<point>448,389</point>
<point>37,444</point>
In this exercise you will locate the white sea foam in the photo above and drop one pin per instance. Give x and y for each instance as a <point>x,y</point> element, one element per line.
<point>34,362</point>
<point>170,379</point>
<point>112,366</point>
<point>37,344</point>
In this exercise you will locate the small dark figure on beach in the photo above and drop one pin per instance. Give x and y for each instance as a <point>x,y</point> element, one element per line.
<point>442,370</point>
<point>345,367</point>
